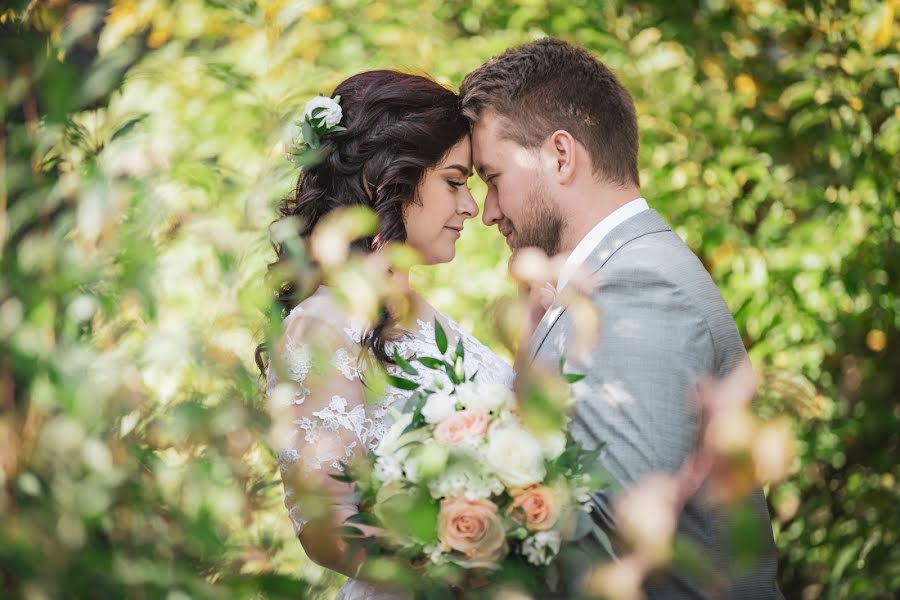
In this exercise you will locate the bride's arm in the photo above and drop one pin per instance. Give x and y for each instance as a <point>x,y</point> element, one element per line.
<point>319,422</point>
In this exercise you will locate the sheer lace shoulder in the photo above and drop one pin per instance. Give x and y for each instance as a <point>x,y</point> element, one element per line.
<point>318,404</point>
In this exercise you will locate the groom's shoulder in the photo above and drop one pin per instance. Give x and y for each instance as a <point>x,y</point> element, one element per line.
<point>661,253</point>
<point>663,258</point>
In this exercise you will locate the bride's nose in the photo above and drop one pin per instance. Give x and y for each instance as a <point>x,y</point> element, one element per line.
<point>467,206</point>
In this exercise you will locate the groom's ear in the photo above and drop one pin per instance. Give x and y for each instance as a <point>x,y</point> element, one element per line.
<point>563,149</point>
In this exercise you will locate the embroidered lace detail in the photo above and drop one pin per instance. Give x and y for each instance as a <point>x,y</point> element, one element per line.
<point>298,361</point>
<point>355,331</point>
<point>336,416</point>
<point>346,364</point>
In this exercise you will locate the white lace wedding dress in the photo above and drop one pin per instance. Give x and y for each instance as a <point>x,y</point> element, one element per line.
<point>328,427</point>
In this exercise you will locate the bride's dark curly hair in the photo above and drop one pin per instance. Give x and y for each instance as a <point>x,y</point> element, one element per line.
<point>398,125</point>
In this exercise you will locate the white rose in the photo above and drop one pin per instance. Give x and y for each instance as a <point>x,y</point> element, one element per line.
<point>388,469</point>
<point>332,113</point>
<point>438,407</point>
<point>540,548</point>
<point>515,457</point>
<point>489,397</point>
<point>553,443</point>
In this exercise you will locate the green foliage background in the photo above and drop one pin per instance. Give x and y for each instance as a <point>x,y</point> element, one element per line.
<point>140,170</point>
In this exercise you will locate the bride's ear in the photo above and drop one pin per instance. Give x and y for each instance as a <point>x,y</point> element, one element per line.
<point>563,148</point>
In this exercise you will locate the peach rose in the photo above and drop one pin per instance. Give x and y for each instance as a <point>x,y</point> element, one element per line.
<point>537,505</point>
<point>461,426</point>
<point>474,528</point>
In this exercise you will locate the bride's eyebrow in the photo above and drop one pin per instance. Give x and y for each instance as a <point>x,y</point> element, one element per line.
<point>465,171</point>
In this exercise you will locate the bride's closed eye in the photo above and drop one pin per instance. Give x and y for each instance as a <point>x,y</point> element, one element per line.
<point>456,184</point>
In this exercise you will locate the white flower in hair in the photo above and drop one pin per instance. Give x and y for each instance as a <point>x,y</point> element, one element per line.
<point>301,138</point>
<point>330,111</point>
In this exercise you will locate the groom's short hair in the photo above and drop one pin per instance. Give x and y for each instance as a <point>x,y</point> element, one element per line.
<point>547,85</point>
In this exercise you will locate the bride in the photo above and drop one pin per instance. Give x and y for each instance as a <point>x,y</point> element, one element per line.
<point>401,147</point>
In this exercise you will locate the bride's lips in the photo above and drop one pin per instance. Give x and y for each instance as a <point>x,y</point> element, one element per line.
<point>455,230</point>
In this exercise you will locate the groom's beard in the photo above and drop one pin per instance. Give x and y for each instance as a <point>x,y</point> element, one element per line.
<point>542,222</point>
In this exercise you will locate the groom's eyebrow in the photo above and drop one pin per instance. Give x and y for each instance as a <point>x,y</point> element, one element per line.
<point>464,170</point>
<point>483,170</point>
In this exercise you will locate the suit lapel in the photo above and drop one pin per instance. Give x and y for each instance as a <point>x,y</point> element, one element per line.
<point>554,312</point>
<point>641,224</point>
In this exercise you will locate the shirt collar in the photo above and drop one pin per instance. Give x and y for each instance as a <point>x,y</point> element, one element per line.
<point>593,238</point>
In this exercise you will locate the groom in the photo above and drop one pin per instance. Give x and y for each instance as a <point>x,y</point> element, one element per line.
<point>555,139</point>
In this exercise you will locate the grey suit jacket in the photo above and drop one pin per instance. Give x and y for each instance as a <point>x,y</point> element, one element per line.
<point>664,326</point>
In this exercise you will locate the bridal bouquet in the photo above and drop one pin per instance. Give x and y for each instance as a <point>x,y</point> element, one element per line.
<point>459,483</point>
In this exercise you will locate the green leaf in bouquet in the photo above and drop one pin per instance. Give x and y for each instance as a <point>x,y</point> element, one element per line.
<point>410,513</point>
<point>460,369</point>
<point>388,569</point>
<point>443,575</point>
<point>349,530</point>
<point>422,520</point>
<point>404,364</point>
<point>436,592</point>
<point>418,419</point>
<point>517,573</point>
<point>415,401</point>
<point>569,377</point>
<point>451,374</point>
<point>342,477</point>
<point>440,337</point>
<point>401,383</point>
<point>431,363</point>
<point>363,518</point>
<point>460,350</point>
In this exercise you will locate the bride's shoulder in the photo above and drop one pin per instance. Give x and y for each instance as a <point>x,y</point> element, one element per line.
<point>322,313</point>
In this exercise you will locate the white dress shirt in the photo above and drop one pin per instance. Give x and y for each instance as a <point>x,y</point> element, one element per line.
<point>593,238</point>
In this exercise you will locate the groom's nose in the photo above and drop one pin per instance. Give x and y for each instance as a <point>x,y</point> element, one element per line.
<point>492,214</point>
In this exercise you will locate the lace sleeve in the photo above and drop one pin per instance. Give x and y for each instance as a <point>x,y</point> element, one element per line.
<point>319,415</point>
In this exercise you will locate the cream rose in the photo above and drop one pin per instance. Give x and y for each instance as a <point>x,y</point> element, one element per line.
<point>462,426</point>
<point>515,457</point>
<point>553,443</point>
<point>438,407</point>
<point>474,528</point>
<point>537,506</point>
<point>488,397</point>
